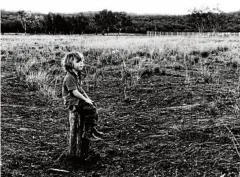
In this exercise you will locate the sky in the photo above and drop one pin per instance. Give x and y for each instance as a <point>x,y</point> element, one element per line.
<point>170,7</point>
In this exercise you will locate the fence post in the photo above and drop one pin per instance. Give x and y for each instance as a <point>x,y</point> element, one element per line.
<point>194,34</point>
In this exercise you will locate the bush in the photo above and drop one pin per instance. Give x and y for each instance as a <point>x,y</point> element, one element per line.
<point>156,69</point>
<point>205,54</point>
<point>235,64</point>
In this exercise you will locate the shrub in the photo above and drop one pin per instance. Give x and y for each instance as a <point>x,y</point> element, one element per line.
<point>196,60</point>
<point>156,69</point>
<point>205,54</point>
<point>235,64</point>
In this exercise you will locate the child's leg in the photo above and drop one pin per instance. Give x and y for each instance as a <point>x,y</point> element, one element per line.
<point>90,113</point>
<point>91,117</point>
<point>91,122</point>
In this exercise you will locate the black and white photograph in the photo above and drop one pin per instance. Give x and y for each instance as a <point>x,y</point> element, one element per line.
<point>133,88</point>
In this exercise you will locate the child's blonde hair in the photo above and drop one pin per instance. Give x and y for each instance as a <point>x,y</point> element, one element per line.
<point>67,61</point>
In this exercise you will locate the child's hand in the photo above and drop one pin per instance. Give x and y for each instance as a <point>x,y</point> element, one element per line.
<point>94,104</point>
<point>89,101</point>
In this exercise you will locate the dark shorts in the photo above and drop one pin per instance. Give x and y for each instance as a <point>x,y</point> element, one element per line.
<point>87,111</point>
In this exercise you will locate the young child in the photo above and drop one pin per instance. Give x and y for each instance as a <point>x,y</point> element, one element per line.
<point>75,97</point>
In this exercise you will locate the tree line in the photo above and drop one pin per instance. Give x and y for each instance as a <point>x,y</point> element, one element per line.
<point>107,21</point>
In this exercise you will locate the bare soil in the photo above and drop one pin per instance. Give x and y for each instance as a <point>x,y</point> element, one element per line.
<point>165,128</point>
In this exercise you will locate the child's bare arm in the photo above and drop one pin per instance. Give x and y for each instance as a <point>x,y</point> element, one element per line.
<point>84,93</point>
<point>77,94</point>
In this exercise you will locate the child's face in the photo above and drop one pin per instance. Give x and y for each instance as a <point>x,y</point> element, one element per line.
<point>78,64</point>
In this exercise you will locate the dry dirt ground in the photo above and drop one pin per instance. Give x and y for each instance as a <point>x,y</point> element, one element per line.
<point>165,128</point>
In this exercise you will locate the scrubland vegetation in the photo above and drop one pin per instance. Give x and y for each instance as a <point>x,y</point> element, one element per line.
<point>38,58</point>
<point>169,105</point>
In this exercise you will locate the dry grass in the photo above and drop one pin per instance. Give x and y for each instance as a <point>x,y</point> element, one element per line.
<point>160,53</point>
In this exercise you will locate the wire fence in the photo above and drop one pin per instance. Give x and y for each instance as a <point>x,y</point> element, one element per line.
<point>193,34</point>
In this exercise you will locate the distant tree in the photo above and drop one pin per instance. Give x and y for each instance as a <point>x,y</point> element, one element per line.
<point>59,24</point>
<point>92,26</point>
<point>36,23</point>
<point>121,20</point>
<point>206,19</point>
<point>25,19</point>
<point>8,26</point>
<point>215,19</point>
<point>236,21</point>
<point>105,20</point>
<point>49,25</point>
<point>81,23</point>
<point>199,18</point>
